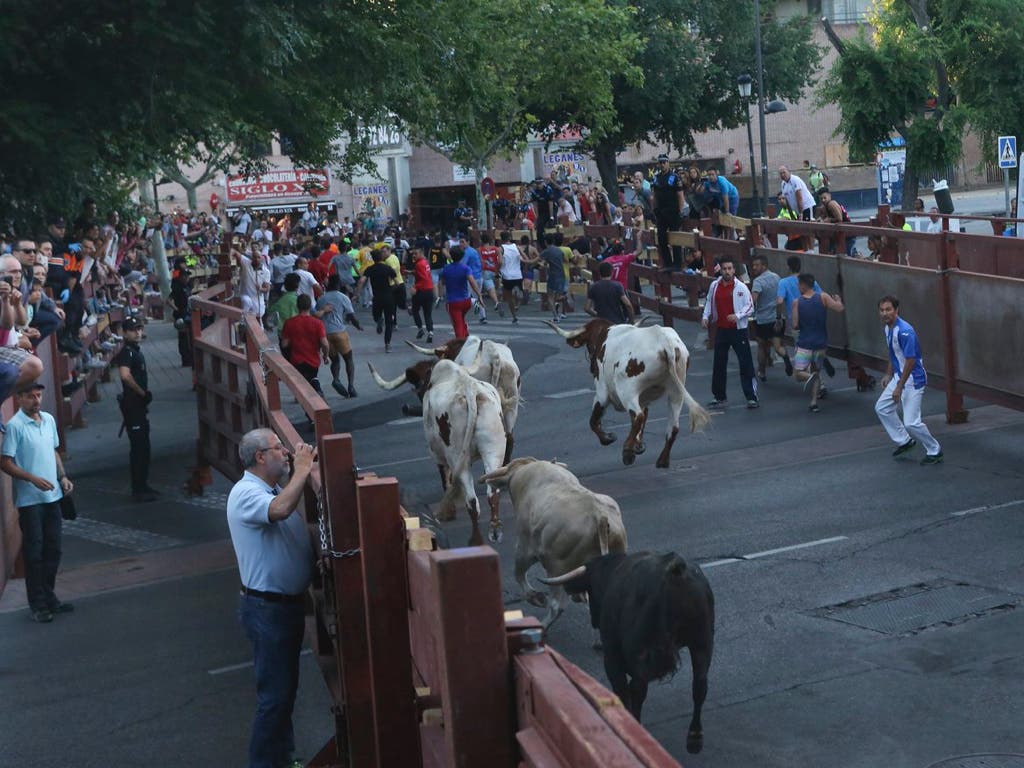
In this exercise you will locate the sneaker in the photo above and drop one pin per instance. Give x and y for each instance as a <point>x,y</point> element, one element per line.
<point>752,404</point>
<point>387,347</point>
<point>339,388</point>
<point>813,408</point>
<point>829,368</point>
<point>561,316</point>
<point>554,319</point>
<point>716,403</point>
<point>789,365</point>
<point>96,364</point>
<point>483,321</point>
<point>936,459</point>
<point>352,392</point>
<point>41,617</point>
<point>419,333</point>
<point>430,337</point>
<point>515,321</point>
<point>60,607</point>
<point>907,446</point>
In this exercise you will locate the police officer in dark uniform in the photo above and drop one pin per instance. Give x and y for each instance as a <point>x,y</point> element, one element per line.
<point>669,201</point>
<point>135,400</point>
<point>544,196</point>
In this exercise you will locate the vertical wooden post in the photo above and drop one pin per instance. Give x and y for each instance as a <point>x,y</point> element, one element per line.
<point>955,412</point>
<point>385,576</point>
<point>348,608</point>
<point>473,657</point>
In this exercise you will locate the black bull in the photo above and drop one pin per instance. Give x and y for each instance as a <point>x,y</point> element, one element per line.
<point>646,608</point>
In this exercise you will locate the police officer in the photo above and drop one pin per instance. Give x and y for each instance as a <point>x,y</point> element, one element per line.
<point>669,201</point>
<point>131,365</point>
<point>545,197</point>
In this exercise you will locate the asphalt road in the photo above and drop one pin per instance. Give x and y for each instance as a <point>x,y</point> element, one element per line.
<point>809,531</point>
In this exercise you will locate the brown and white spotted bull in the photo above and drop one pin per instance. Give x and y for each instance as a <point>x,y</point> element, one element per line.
<point>462,424</point>
<point>488,361</point>
<point>561,524</point>
<point>633,367</point>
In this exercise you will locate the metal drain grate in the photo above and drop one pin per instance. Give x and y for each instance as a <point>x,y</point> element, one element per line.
<point>981,761</point>
<point>917,607</point>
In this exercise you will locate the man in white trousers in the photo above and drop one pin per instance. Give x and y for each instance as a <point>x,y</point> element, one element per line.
<point>903,384</point>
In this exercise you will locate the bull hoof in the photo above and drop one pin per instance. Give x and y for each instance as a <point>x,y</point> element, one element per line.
<point>694,742</point>
<point>628,457</point>
<point>536,598</point>
<point>607,438</point>
<point>496,534</point>
<point>662,463</point>
<point>639,448</point>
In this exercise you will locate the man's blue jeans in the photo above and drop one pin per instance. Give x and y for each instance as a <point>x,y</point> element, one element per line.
<point>40,548</point>
<point>275,630</point>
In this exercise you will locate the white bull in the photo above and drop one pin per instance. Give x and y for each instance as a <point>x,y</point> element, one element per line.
<point>633,367</point>
<point>562,524</point>
<point>487,361</point>
<point>462,423</point>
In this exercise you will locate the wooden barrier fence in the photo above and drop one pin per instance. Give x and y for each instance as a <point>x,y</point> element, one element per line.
<point>423,665</point>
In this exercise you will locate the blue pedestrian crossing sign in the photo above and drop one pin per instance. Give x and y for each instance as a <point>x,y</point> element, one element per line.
<point>1007,151</point>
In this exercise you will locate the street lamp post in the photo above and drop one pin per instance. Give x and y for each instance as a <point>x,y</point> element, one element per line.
<point>759,64</point>
<point>744,81</point>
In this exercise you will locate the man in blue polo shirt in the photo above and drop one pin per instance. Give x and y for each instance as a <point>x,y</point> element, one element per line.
<point>903,384</point>
<point>30,457</point>
<point>275,563</point>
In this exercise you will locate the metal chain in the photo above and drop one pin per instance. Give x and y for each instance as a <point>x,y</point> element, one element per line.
<point>329,553</point>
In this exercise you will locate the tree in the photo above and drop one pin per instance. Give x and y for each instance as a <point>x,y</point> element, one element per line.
<point>929,71</point>
<point>485,74</point>
<point>97,93</point>
<point>217,158</point>
<point>691,53</point>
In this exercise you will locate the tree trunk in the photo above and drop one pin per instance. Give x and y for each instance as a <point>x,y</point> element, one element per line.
<point>190,194</point>
<point>481,204</point>
<point>145,185</point>
<point>604,155</point>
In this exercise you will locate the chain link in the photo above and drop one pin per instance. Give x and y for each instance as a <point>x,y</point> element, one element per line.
<point>324,550</point>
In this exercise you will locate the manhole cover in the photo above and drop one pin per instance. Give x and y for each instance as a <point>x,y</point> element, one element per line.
<point>981,761</point>
<point>917,607</point>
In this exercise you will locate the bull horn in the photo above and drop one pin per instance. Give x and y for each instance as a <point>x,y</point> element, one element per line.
<point>563,333</point>
<point>643,321</point>
<point>559,580</point>
<point>436,352</point>
<point>393,384</point>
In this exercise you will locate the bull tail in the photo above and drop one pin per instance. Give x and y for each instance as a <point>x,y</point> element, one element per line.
<point>604,533</point>
<point>455,496</point>
<point>699,417</point>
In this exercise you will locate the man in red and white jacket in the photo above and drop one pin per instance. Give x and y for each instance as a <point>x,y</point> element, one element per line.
<point>728,307</point>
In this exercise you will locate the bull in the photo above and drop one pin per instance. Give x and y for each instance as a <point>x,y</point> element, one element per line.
<point>632,367</point>
<point>647,607</point>
<point>561,524</point>
<point>462,424</point>
<point>487,361</point>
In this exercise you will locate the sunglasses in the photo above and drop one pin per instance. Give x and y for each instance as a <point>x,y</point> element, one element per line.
<point>26,250</point>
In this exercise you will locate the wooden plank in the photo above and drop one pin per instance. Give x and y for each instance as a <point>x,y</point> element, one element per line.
<point>336,467</point>
<point>548,701</point>
<point>733,222</point>
<point>473,656</point>
<point>685,239</point>
<point>647,750</point>
<point>536,752</point>
<point>423,620</point>
<point>382,539</point>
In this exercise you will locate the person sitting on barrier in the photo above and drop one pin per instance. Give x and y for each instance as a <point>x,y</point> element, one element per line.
<point>305,339</point>
<point>833,212</point>
<point>275,564</point>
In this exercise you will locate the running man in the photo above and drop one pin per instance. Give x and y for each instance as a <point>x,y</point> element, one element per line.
<point>335,309</point>
<point>809,317</point>
<point>903,384</point>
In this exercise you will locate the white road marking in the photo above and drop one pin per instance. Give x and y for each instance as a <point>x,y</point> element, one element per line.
<point>986,508</point>
<point>408,420</point>
<point>767,552</point>
<point>245,665</point>
<point>569,393</point>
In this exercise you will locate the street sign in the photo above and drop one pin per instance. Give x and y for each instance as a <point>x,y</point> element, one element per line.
<point>487,186</point>
<point>1007,151</point>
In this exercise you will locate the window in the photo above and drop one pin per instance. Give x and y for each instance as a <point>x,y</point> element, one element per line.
<point>846,11</point>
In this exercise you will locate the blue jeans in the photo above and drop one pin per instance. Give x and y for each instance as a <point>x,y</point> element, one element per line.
<point>275,630</point>
<point>40,548</point>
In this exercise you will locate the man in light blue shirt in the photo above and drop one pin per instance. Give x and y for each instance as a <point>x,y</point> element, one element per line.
<point>724,191</point>
<point>334,308</point>
<point>903,385</point>
<point>275,563</point>
<point>471,258</point>
<point>30,457</point>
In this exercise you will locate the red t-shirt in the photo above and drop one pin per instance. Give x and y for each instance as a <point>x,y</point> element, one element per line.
<point>319,270</point>
<point>620,267</point>
<point>489,258</point>
<point>326,256</point>
<point>424,281</point>
<point>304,333</point>
<point>723,305</point>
